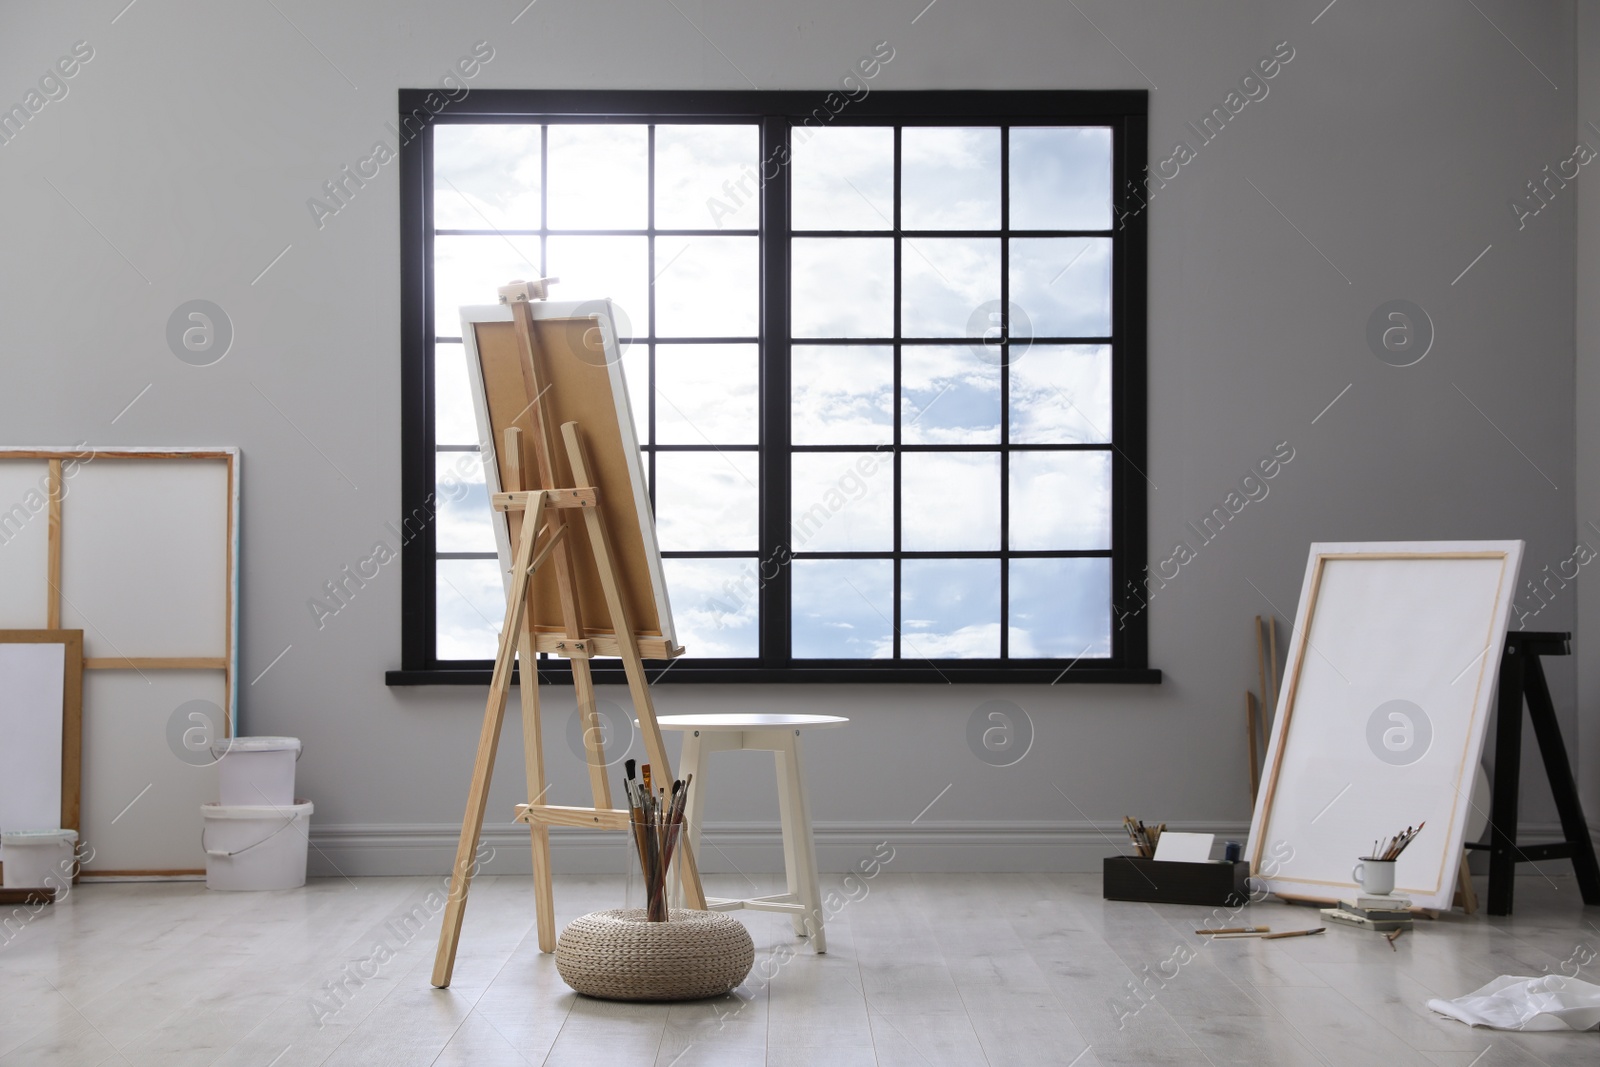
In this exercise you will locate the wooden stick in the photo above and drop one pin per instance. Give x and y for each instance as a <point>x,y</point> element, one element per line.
<point>494,713</point>
<point>1261,661</point>
<point>1255,753</point>
<point>1272,667</point>
<point>53,535</point>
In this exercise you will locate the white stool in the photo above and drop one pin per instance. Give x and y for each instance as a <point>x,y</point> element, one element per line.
<point>780,734</point>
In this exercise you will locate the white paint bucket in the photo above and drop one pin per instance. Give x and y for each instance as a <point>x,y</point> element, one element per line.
<point>255,771</point>
<point>255,846</point>
<point>40,859</point>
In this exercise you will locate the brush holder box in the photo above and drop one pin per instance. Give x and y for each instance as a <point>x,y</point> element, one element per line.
<point>621,955</point>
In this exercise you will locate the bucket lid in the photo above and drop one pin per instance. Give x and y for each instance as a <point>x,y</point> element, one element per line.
<point>225,745</point>
<point>37,837</point>
<point>300,807</point>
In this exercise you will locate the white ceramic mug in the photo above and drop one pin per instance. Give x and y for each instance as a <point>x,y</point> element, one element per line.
<point>1374,876</point>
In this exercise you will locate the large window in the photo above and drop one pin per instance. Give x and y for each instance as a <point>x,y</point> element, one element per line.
<point>886,367</point>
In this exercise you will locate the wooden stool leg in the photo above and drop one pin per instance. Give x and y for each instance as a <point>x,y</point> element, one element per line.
<point>799,847</point>
<point>689,762</point>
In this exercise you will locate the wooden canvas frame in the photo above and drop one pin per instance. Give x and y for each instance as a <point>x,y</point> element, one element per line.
<point>58,461</point>
<point>71,642</point>
<point>582,380</point>
<point>1321,733</point>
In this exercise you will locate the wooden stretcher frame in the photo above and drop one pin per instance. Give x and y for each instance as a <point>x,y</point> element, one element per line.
<point>57,460</point>
<point>71,642</point>
<point>1448,840</point>
<point>550,546</point>
<point>592,391</point>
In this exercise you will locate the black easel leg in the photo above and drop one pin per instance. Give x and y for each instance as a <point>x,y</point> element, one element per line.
<point>1507,772</point>
<point>1542,711</point>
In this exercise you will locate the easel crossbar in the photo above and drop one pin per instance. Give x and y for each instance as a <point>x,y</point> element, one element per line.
<point>559,815</point>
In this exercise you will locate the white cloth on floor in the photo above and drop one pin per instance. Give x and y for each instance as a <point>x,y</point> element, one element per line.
<point>1512,1002</point>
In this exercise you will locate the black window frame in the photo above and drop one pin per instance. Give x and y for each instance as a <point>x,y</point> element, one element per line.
<point>776,113</point>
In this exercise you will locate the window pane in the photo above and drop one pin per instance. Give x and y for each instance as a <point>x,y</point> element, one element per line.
<point>949,609</point>
<point>469,270</point>
<point>841,395</point>
<point>949,178</point>
<point>949,396</point>
<point>706,177</point>
<point>1064,285</point>
<point>944,281</point>
<point>842,502</point>
<point>706,501</point>
<point>842,178</point>
<point>706,395</point>
<point>950,501</point>
<point>714,605</point>
<point>841,287</point>
<point>1060,608</point>
<point>707,287</point>
<point>636,378</point>
<point>462,503</point>
<point>594,268</point>
<point>1061,394</point>
<point>1061,178</point>
<point>843,609</point>
<point>1060,500</point>
<point>485,177</point>
<point>454,422</point>
<point>471,606</point>
<point>598,177</point>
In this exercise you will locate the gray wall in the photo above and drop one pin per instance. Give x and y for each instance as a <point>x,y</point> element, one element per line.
<point>1388,149</point>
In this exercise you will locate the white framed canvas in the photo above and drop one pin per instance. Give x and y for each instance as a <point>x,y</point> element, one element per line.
<point>1388,689</point>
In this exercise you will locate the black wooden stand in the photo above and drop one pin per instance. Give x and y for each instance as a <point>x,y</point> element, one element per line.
<point>1522,676</point>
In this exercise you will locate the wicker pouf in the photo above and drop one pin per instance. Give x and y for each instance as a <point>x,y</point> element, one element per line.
<point>619,955</point>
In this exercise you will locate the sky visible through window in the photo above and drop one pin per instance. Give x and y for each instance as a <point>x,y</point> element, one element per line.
<point>948,494</point>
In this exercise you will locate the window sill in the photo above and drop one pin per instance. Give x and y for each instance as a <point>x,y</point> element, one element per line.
<point>557,673</point>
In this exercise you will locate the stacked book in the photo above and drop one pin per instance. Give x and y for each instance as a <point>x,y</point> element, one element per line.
<point>1381,913</point>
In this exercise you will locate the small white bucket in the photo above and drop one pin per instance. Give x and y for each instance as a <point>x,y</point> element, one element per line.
<point>255,771</point>
<point>40,859</point>
<point>254,846</point>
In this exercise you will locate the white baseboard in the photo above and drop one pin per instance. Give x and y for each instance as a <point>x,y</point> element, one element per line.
<point>426,848</point>
<point>386,849</point>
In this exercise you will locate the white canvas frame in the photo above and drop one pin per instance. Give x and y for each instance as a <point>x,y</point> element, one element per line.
<point>1421,621</point>
<point>564,309</point>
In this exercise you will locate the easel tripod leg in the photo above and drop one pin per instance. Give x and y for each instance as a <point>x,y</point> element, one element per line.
<point>494,714</point>
<point>533,759</point>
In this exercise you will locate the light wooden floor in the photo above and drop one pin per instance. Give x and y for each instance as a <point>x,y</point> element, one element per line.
<point>923,969</point>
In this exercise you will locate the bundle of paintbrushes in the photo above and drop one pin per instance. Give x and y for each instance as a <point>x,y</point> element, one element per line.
<point>1396,844</point>
<point>657,818</point>
<point>1144,837</point>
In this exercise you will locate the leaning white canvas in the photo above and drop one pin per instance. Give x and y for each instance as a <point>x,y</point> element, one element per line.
<point>32,681</point>
<point>1388,688</point>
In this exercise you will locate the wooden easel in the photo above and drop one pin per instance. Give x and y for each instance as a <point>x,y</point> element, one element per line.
<point>1522,679</point>
<point>541,521</point>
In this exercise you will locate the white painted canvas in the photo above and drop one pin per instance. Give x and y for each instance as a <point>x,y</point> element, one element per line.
<point>32,678</point>
<point>142,785</point>
<point>1387,693</point>
<point>144,557</point>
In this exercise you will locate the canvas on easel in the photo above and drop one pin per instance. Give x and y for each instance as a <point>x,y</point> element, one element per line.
<point>583,571</point>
